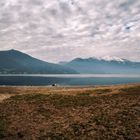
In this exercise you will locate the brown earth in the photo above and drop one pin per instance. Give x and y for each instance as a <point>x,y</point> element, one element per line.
<point>71,113</point>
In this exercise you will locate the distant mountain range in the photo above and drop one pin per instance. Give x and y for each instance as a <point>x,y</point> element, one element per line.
<point>103,66</point>
<point>15,62</point>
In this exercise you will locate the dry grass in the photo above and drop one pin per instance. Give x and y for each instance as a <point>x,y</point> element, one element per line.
<point>6,92</point>
<point>89,113</point>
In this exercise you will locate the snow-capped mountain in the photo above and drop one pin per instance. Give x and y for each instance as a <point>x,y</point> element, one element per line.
<point>104,65</point>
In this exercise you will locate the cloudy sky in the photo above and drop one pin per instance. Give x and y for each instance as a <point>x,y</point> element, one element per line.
<point>60,30</point>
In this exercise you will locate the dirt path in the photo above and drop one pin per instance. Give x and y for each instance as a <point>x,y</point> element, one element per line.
<point>2,96</point>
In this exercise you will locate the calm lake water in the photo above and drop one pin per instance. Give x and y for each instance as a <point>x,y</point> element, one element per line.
<point>67,79</point>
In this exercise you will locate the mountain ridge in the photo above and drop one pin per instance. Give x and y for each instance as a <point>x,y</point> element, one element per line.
<point>101,59</point>
<point>94,65</point>
<point>16,62</point>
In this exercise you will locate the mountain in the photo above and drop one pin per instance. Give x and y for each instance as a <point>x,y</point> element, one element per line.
<point>102,66</point>
<point>16,62</point>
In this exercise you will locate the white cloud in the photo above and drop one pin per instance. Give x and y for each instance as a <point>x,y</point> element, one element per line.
<point>60,30</point>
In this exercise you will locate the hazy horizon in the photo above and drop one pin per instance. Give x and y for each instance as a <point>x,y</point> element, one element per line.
<point>61,30</point>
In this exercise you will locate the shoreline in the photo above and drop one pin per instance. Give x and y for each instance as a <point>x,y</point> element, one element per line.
<point>8,91</point>
<point>70,86</point>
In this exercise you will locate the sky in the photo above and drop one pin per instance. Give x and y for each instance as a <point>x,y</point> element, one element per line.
<point>61,30</point>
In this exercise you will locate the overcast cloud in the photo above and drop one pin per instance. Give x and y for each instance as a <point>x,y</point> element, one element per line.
<point>60,30</point>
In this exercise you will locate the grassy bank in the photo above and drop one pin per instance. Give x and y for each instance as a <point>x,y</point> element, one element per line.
<point>96,113</point>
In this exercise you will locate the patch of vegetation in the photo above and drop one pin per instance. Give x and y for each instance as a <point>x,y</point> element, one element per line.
<point>44,112</point>
<point>84,94</point>
<point>57,100</point>
<point>71,101</point>
<point>102,119</point>
<point>80,129</point>
<point>54,136</point>
<point>28,97</point>
<point>3,126</point>
<point>135,89</point>
<point>103,91</point>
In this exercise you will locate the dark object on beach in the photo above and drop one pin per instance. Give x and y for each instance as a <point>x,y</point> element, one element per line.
<point>54,85</point>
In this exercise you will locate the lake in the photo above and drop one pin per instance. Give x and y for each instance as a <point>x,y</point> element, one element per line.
<point>67,79</point>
